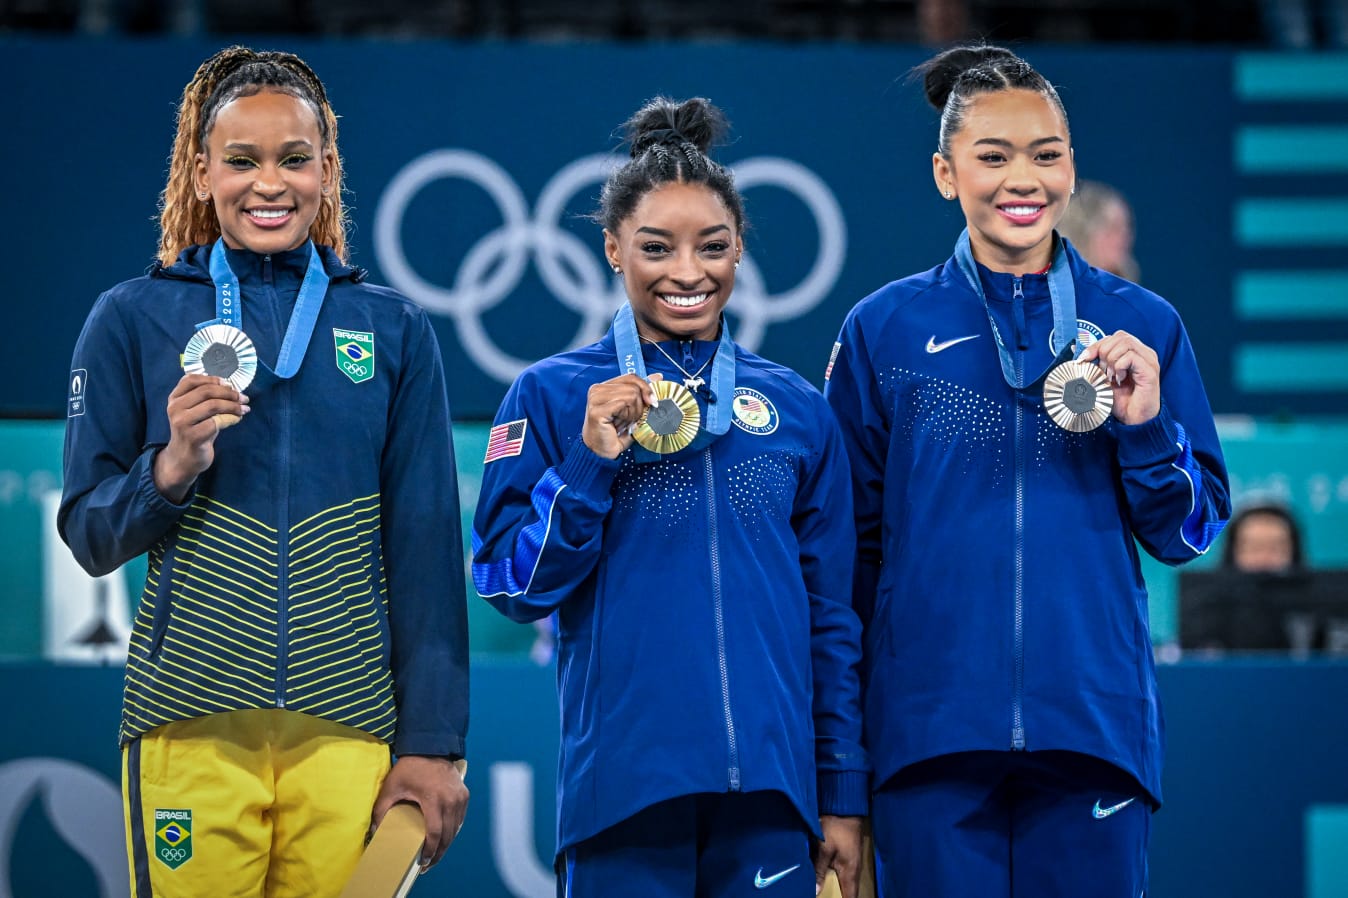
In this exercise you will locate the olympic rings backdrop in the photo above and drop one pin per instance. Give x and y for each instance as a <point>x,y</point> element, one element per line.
<point>472,168</point>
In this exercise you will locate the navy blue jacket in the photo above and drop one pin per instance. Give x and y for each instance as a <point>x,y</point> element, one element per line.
<point>998,576</point>
<point>706,641</point>
<point>317,564</point>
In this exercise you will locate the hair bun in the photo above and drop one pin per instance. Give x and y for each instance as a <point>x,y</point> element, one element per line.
<point>940,73</point>
<point>662,120</point>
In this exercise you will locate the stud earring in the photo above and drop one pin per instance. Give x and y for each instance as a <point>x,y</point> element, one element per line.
<point>203,195</point>
<point>948,194</point>
<point>617,269</point>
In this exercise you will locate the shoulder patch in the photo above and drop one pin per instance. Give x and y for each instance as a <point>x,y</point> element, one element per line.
<point>832,357</point>
<point>506,440</point>
<point>79,385</point>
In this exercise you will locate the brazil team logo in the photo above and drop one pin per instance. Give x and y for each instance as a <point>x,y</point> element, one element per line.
<point>753,412</point>
<point>173,836</point>
<point>355,354</point>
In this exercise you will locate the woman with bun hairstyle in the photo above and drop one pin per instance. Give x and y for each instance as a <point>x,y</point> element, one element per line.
<point>274,432</point>
<point>683,505</point>
<point>1017,423</point>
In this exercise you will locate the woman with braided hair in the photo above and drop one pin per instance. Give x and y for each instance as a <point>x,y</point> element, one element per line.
<point>682,505</point>
<point>303,614</point>
<point>1018,423</point>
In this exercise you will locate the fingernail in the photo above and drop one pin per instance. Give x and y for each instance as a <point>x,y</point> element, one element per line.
<point>247,409</point>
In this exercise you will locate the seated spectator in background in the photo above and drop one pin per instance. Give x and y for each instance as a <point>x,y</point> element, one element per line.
<point>1099,222</point>
<point>1263,539</point>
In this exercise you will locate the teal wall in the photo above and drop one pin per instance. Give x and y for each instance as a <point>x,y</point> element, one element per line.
<point>1304,464</point>
<point>30,466</point>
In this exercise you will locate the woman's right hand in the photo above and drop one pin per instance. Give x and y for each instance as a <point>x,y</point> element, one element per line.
<point>199,407</point>
<point>613,407</point>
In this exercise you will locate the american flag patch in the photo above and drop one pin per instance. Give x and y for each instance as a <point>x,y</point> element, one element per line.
<point>833,357</point>
<point>506,440</point>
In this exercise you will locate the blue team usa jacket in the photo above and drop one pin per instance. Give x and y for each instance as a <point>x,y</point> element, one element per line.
<point>707,641</point>
<point>998,577</point>
<point>316,565</point>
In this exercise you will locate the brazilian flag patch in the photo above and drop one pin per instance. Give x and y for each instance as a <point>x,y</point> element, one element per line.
<point>173,836</point>
<point>355,354</point>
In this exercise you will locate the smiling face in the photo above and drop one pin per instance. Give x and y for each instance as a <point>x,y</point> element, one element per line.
<point>1011,168</point>
<point>677,251</point>
<point>265,169</point>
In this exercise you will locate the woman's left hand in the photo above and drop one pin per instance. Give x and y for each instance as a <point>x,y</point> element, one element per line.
<point>1134,372</point>
<point>841,852</point>
<point>435,786</point>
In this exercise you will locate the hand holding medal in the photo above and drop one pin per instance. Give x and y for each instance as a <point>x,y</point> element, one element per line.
<point>613,409</point>
<point>1133,371</point>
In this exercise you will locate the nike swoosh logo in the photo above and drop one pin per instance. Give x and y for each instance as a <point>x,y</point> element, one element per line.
<point>934,347</point>
<point>762,882</point>
<point>1100,813</point>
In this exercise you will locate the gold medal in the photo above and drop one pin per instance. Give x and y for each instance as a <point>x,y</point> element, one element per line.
<point>222,351</point>
<point>670,424</point>
<point>1077,396</point>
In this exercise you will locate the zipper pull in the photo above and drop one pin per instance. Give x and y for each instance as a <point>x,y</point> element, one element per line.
<point>1018,313</point>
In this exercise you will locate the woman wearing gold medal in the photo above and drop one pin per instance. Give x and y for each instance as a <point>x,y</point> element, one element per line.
<point>1017,424</point>
<point>274,432</point>
<point>683,505</point>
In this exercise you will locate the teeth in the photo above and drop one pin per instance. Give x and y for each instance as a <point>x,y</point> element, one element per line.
<point>1021,210</point>
<point>684,302</point>
<point>269,213</point>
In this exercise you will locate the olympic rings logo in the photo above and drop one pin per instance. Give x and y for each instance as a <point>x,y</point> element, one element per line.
<point>356,369</point>
<point>571,270</point>
<point>173,854</point>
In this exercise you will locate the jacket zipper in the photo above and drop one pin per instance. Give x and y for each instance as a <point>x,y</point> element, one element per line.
<point>720,624</point>
<point>1018,631</point>
<point>282,504</point>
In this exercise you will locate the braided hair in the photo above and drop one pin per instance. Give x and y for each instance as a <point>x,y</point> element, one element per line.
<point>669,141</point>
<point>232,73</point>
<point>954,77</point>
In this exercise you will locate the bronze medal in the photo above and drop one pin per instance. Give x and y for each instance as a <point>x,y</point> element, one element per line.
<point>1077,396</point>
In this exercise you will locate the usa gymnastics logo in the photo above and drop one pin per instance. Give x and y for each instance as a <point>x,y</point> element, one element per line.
<point>754,413</point>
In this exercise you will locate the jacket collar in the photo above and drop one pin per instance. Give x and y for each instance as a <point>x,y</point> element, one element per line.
<point>193,264</point>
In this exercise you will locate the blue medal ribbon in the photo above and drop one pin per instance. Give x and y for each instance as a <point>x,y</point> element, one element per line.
<point>715,415</point>
<point>1063,294</point>
<point>229,307</point>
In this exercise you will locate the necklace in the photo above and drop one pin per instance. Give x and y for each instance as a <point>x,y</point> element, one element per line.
<point>691,381</point>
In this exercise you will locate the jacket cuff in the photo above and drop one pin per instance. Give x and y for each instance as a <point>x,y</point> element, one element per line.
<point>844,793</point>
<point>155,501</point>
<point>436,745</point>
<point>587,474</point>
<point>1154,442</point>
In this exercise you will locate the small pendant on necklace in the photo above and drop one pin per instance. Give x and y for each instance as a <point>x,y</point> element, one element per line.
<point>693,383</point>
